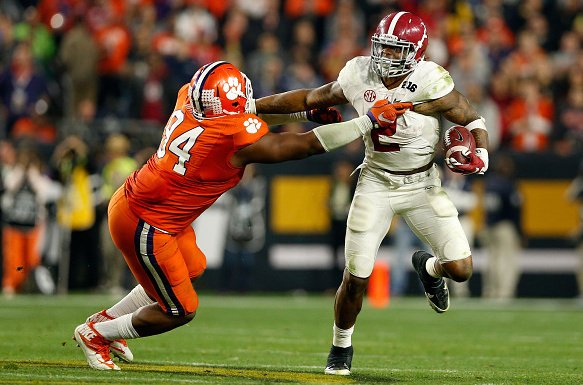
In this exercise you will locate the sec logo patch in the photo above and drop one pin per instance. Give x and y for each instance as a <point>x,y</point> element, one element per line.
<point>370,96</point>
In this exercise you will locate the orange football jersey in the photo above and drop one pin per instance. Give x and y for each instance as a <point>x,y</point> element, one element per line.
<point>191,168</point>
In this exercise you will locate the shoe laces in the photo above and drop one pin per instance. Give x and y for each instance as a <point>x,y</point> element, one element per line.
<point>99,344</point>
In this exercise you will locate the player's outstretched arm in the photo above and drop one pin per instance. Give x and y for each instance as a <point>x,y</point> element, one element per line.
<point>318,115</point>
<point>274,148</point>
<point>300,100</point>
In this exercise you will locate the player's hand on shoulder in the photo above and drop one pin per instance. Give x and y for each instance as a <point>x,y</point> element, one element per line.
<point>324,115</point>
<point>383,114</point>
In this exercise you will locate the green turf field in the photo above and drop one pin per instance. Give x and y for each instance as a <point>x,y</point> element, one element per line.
<point>285,339</point>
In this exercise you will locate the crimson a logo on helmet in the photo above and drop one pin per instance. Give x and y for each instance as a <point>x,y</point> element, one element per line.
<point>370,96</point>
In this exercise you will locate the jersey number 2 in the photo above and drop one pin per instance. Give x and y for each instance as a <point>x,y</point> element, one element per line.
<point>383,147</point>
<point>181,145</point>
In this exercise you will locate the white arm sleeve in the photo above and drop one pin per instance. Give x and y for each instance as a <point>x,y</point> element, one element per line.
<point>337,135</point>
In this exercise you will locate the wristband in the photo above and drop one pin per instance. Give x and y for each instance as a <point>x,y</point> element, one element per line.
<point>478,123</point>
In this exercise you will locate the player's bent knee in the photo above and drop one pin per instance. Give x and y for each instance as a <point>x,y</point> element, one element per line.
<point>460,270</point>
<point>189,317</point>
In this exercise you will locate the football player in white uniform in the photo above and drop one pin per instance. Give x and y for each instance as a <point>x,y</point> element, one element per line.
<point>398,174</point>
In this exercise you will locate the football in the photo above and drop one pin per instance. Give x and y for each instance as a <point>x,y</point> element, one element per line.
<point>457,139</point>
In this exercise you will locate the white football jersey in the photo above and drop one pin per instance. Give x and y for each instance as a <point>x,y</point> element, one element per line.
<point>413,144</point>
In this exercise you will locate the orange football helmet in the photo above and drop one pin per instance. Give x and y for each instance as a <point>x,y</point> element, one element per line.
<point>218,89</point>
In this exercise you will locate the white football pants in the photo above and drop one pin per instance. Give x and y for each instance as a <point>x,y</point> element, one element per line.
<point>419,199</point>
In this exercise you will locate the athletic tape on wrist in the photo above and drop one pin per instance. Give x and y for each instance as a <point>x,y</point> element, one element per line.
<point>478,123</point>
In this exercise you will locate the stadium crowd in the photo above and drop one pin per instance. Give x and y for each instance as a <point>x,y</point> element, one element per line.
<point>76,74</point>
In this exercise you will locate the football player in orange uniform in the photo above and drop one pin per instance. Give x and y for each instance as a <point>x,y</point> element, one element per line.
<point>205,146</point>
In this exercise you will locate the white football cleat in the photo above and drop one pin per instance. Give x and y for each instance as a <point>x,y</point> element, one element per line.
<point>119,348</point>
<point>95,347</point>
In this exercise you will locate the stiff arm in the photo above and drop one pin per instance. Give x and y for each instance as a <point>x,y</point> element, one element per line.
<point>275,148</point>
<point>304,99</point>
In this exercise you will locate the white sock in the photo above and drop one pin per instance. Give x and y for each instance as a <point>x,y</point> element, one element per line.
<point>135,299</point>
<point>115,329</point>
<point>430,267</point>
<point>342,337</point>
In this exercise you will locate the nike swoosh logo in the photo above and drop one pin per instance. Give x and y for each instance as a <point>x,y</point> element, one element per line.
<point>459,135</point>
<point>430,296</point>
<point>383,119</point>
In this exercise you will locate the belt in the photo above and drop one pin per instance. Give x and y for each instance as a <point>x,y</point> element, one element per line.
<point>410,172</point>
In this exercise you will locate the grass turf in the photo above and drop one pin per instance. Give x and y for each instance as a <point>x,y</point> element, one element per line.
<point>284,340</point>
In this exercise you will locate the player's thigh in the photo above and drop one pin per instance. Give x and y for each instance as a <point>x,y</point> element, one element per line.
<point>154,259</point>
<point>368,222</point>
<point>193,256</point>
<point>434,219</point>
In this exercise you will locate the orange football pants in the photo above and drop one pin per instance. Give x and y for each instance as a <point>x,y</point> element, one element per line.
<point>163,263</point>
<point>21,256</point>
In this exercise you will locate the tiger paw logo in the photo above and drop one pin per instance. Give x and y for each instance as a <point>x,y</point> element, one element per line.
<point>232,88</point>
<point>252,125</point>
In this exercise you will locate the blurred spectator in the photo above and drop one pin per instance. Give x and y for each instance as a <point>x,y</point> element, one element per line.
<point>154,93</point>
<point>530,118</point>
<point>119,166</point>
<point>76,213</point>
<point>489,110</point>
<point>23,90</point>
<point>79,71</point>
<point>498,38</point>
<point>346,18</point>
<point>437,49</point>
<point>36,128</point>
<point>342,189</point>
<point>114,42</point>
<point>245,231</point>
<point>6,39</point>
<point>36,34</point>
<point>502,235</point>
<point>304,42</point>
<point>529,60</point>
<point>538,26</point>
<point>300,75</point>
<point>265,66</point>
<point>470,64</point>
<point>22,206</point>
<point>569,124</point>
<point>340,50</point>
<point>566,56</point>
<point>233,31</point>
<point>299,8</point>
